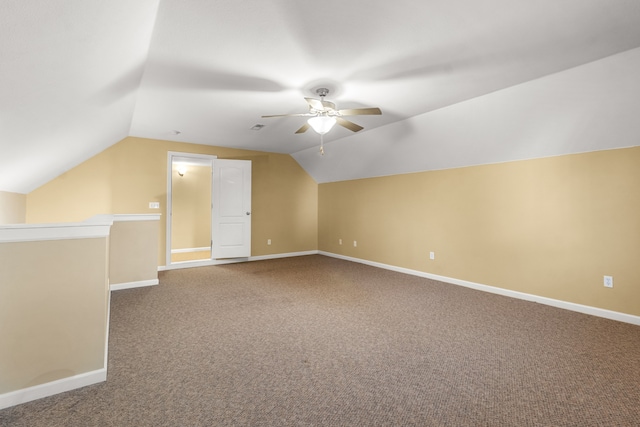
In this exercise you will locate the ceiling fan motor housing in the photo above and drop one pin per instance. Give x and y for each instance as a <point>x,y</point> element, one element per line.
<point>322,91</point>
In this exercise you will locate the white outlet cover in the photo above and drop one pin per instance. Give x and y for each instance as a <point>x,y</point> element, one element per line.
<point>608,281</point>
<point>432,255</point>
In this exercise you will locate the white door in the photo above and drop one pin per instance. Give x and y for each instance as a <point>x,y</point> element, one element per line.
<point>231,220</point>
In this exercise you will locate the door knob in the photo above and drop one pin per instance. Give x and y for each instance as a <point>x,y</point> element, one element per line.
<point>248,213</point>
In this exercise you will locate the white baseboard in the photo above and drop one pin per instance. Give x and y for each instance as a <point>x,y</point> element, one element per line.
<point>285,255</point>
<point>54,387</point>
<point>200,263</point>
<point>585,309</point>
<point>189,250</point>
<point>129,285</point>
<point>208,262</point>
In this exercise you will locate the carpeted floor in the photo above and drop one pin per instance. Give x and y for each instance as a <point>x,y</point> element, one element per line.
<point>317,341</point>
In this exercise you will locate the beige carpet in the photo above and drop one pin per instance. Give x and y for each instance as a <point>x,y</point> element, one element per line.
<point>316,341</point>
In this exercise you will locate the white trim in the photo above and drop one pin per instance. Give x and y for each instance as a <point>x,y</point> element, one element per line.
<point>124,217</point>
<point>137,284</point>
<point>106,336</point>
<point>25,395</point>
<point>284,255</point>
<point>200,263</point>
<point>585,309</point>
<point>208,262</point>
<point>189,250</point>
<point>63,231</point>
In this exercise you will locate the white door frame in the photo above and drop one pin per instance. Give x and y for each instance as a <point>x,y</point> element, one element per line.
<point>169,207</point>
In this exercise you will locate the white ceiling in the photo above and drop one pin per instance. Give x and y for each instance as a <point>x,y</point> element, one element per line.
<point>77,76</point>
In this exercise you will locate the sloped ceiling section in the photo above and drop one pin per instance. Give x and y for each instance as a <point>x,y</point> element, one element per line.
<point>458,81</point>
<point>69,71</point>
<point>587,108</point>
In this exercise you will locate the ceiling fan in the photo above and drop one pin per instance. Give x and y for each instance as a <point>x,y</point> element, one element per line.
<point>323,114</point>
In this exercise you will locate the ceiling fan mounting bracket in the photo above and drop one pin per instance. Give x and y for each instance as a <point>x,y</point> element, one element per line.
<point>322,91</point>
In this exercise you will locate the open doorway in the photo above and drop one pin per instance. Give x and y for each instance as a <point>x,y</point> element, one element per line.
<point>189,205</point>
<point>208,209</point>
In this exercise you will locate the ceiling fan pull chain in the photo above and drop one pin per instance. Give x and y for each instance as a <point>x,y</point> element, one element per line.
<point>321,145</point>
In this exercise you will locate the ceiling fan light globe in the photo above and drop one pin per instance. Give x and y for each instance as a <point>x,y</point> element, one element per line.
<point>322,124</point>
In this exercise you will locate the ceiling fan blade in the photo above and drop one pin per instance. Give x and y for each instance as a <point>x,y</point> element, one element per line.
<point>316,104</point>
<point>303,129</point>
<point>360,111</point>
<point>328,105</point>
<point>349,125</point>
<point>289,115</point>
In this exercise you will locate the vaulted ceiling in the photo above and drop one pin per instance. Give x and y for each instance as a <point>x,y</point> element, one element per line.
<point>77,76</point>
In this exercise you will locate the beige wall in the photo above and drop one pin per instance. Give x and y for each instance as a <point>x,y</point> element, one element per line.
<point>550,227</point>
<point>133,248</point>
<point>13,208</point>
<point>77,194</point>
<point>127,176</point>
<point>53,310</point>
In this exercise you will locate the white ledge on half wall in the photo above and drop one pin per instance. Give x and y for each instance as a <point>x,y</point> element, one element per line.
<point>54,231</point>
<point>123,217</point>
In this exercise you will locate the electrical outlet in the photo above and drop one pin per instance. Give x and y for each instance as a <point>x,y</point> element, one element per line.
<point>608,281</point>
<point>339,241</point>
<point>154,205</point>
<point>432,255</point>
<point>355,243</point>
<point>268,241</point>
